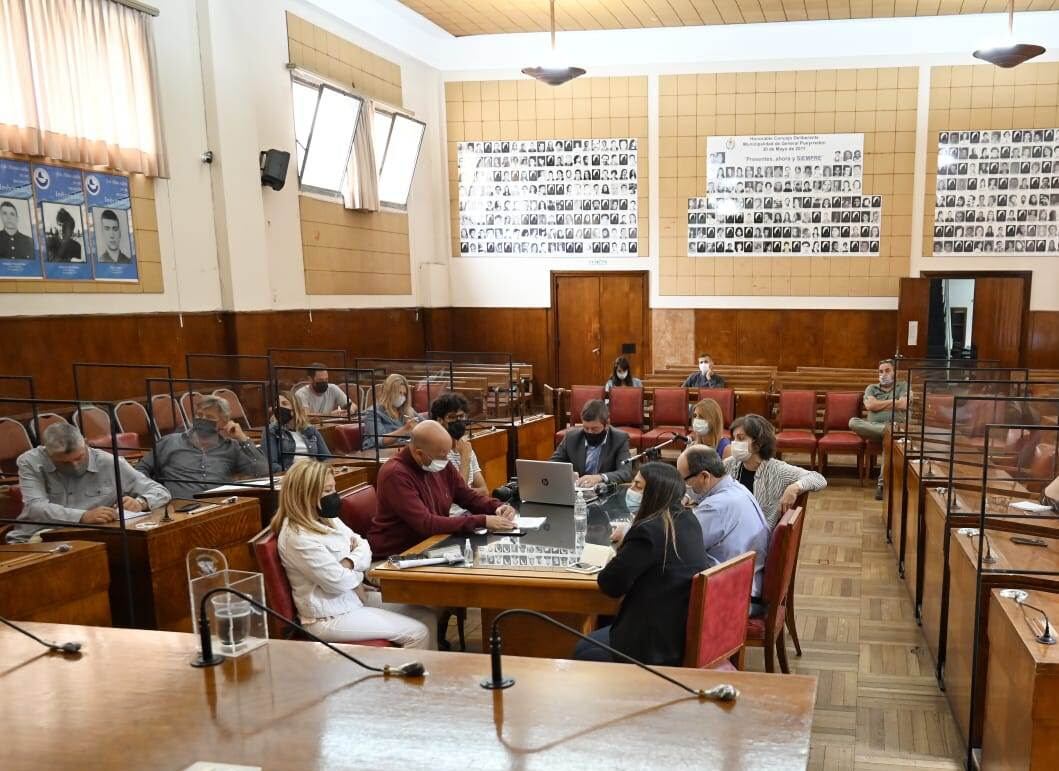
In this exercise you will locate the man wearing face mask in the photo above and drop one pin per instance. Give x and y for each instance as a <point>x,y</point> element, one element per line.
<point>450,410</point>
<point>321,396</point>
<point>596,449</point>
<point>705,377</point>
<point>880,401</point>
<point>731,518</point>
<point>67,481</point>
<point>214,451</point>
<point>416,489</point>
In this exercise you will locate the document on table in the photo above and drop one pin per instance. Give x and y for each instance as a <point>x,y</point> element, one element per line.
<point>530,523</point>
<point>1030,506</point>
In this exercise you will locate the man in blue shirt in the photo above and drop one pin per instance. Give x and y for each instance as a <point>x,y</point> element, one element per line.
<point>731,519</point>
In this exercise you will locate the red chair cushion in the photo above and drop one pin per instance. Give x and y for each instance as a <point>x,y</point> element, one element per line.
<point>359,507</point>
<point>797,410</point>
<point>348,438</point>
<point>579,394</point>
<point>840,440</point>
<point>725,397</point>
<point>635,436</point>
<point>661,434</point>
<point>755,629</point>
<point>669,407</point>
<point>626,407</point>
<point>127,440</point>
<point>277,587</point>
<point>839,409</point>
<point>796,439</point>
<point>717,611</point>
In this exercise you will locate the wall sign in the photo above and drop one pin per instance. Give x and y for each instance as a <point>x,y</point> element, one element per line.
<point>110,215</point>
<point>19,257</point>
<point>556,197</point>
<point>789,194</point>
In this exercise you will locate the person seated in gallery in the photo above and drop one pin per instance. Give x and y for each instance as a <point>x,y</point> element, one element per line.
<point>322,397</point>
<point>598,451</point>
<point>705,377</point>
<point>416,489</point>
<point>390,420</point>
<point>881,400</point>
<point>214,451</point>
<point>621,375</point>
<point>291,437</point>
<point>66,481</point>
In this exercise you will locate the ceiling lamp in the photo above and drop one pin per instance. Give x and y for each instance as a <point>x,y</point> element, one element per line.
<point>1012,54</point>
<point>554,76</point>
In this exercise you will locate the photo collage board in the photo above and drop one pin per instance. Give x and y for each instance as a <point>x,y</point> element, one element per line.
<point>551,197</point>
<point>785,194</point>
<point>997,192</point>
<point>63,223</point>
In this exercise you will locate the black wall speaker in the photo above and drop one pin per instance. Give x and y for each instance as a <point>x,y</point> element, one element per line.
<point>274,168</point>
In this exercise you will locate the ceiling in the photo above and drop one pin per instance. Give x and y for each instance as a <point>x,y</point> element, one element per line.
<point>488,17</point>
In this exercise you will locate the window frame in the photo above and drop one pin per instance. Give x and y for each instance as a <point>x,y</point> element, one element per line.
<point>320,84</point>
<point>394,112</point>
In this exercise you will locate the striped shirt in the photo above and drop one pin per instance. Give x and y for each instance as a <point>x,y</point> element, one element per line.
<point>771,478</point>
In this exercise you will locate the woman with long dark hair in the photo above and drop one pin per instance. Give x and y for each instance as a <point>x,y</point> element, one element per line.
<point>652,572</point>
<point>621,375</point>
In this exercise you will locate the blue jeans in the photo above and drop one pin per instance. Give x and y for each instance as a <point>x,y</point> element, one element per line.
<point>586,651</point>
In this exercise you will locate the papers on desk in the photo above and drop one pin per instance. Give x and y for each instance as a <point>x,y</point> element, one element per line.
<point>1030,506</point>
<point>234,488</point>
<point>530,523</point>
<point>135,514</point>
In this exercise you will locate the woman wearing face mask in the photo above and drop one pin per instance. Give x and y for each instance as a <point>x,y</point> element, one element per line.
<point>291,437</point>
<point>707,427</point>
<point>621,375</point>
<point>652,572</point>
<point>774,483</point>
<point>392,418</point>
<point>325,563</point>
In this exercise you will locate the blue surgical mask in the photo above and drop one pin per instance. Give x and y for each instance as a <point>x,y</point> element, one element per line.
<point>633,499</point>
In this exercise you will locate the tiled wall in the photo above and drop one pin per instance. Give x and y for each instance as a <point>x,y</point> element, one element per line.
<point>148,252</point>
<point>586,108</point>
<point>880,103</point>
<point>350,252</point>
<point>985,97</point>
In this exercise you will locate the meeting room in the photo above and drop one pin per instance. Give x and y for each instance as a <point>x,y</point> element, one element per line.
<point>529,384</point>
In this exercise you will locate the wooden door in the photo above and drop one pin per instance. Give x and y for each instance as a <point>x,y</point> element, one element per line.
<point>913,317</point>
<point>595,318</point>
<point>1000,306</point>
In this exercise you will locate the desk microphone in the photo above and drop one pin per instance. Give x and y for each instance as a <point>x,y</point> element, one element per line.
<point>988,558</point>
<point>207,658</point>
<point>652,453</point>
<point>1046,637</point>
<point>66,648</point>
<point>497,681</point>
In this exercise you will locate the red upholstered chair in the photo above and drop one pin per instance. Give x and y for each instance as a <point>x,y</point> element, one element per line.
<point>133,419</point>
<point>669,415</point>
<point>717,612</point>
<point>235,405</point>
<point>797,423</point>
<point>579,394</point>
<point>44,420</point>
<point>421,397</point>
<point>767,631</point>
<point>348,438</point>
<point>278,591</point>
<point>168,418</point>
<point>839,409</point>
<point>10,505</point>
<point>187,405</point>
<point>95,426</point>
<point>14,440</point>
<point>725,398</point>
<point>626,413</point>
<point>1043,467</point>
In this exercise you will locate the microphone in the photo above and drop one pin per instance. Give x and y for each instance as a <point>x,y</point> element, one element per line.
<point>1046,637</point>
<point>207,658</point>
<point>988,558</point>
<point>652,452</point>
<point>497,681</point>
<point>66,648</point>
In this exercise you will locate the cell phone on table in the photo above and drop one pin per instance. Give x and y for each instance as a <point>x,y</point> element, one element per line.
<point>586,568</point>
<point>1028,541</point>
<point>188,507</point>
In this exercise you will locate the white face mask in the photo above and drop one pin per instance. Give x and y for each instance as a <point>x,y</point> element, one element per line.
<point>886,379</point>
<point>740,450</point>
<point>693,496</point>
<point>704,368</point>
<point>700,426</point>
<point>436,466</point>
<point>633,498</point>
<point>622,374</point>
<point>398,403</point>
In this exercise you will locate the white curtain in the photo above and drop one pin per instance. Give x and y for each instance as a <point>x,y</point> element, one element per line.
<point>92,64</point>
<point>19,127</point>
<point>360,190</point>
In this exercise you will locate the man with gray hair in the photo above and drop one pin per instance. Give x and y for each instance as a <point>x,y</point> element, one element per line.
<point>212,452</point>
<point>67,481</point>
<point>731,519</point>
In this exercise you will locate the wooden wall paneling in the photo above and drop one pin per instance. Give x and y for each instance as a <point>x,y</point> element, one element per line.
<point>999,310</point>
<point>521,331</point>
<point>624,318</point>
<point>1042,340</point>
<point>913,304</point>
<point>576,306</point>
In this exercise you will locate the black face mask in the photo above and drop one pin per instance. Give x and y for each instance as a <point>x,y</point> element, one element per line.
<point>330,506</point>
<point>321,387</point>
<point>456,429</point>
<point>594,440</point>
<point>205,427</point>
<point>284,415</point>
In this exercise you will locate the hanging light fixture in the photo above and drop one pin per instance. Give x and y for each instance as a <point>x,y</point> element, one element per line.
<point>1012,54</point>
<point>554,76</point>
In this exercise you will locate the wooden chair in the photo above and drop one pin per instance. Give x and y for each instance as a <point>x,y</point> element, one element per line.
<point>168,417</point>
<point>44,420</point>
<point>95,426</point>
<point>235,406</point>
<point>14,440</point>
<point>797,423</point>
<point>669,415</point>
<point>766,631</point>
<point>626,413</point>
<point>579,395</point>
<point>133,419</point>
<point>717,613</point>
<point>725,398</point>
<point>839,409</point>
<point>801,502</point>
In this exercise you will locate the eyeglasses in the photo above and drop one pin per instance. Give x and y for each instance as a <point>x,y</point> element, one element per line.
<point>692,476</point>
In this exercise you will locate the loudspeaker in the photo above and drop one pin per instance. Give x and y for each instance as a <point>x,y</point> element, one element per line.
<point>274,168</point>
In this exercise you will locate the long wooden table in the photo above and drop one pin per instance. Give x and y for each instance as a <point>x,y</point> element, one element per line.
<point>157,555</point>
<point>132,701</point>
<point>41,582</point>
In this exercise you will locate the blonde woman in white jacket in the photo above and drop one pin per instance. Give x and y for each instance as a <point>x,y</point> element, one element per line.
<point>325,563</point>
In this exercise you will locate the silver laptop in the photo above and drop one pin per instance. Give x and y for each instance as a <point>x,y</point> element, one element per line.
<point>545,481</point>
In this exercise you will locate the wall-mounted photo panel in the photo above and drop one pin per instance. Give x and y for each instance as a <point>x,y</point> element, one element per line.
<point>558,197</point>
<point>61,222</point>
<point>19,257</point>
<point>110,216</point>
<point>997,193</point>
<point>791,194</point>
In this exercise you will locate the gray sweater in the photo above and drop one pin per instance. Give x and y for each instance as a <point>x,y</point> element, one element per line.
<point>186,469</point>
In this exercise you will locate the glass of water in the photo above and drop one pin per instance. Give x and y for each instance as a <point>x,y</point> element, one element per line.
<point>232,616</point>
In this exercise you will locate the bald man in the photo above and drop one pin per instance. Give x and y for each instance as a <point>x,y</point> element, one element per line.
<point>417,487</point>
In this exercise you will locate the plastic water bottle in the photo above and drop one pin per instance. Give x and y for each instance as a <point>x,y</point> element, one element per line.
<point>468,553</point>
<point>580,522</point>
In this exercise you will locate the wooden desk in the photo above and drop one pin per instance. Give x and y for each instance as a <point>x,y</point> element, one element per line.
<point>40,584</point>
<point>491,447</point>
<point>534,439</point>
<point>572,598</point>
<point>157,558</point>
<point>296,705</point>
<point>1020,728</point>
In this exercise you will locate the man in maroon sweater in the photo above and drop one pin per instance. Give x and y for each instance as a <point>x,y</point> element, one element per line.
<point>417,486</point>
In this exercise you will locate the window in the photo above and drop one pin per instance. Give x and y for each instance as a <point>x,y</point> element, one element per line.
<point>325,121</point>
<point>397,140</point>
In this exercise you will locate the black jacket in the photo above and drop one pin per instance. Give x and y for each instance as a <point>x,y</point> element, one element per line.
<point>652,622</point>
<point>574,449</point>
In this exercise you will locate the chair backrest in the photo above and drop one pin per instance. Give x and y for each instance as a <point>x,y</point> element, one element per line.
<point>168,419</point>
<point>187,405</point>
<point>359,507</point>
<point>1043,467</point>
<point>14,440</point>
<point>626,406</point>
<point>725,397</point>
<point>839,408</point>
<point>347,438</point>
<point>670,407</point>
<point>44,420</point>
<point>720,603</point>
<point>133,418</point>
<point>580,394</point>
<point>234,405</point>
<point>277,587</point>
<point>421,396</point>
<point>93,422</point>
<point>779,565</point>
<point>798,409</point>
